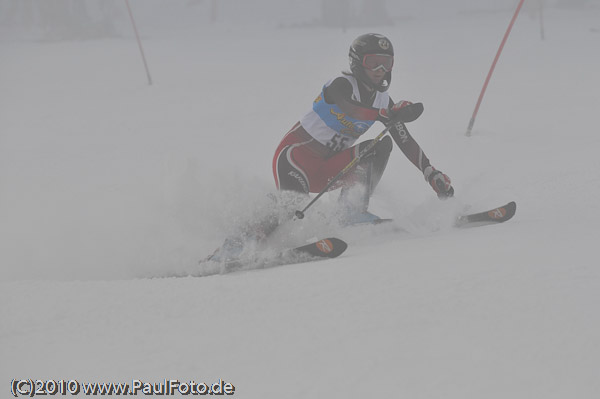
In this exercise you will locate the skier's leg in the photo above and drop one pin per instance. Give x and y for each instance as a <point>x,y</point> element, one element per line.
<point>291,177</point>
<point>253,233</point>
<point>293,184</point>
<point>378,159</point>
<point>358,188</point>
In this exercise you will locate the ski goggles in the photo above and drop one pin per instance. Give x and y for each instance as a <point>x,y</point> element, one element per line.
<point>374,62</point>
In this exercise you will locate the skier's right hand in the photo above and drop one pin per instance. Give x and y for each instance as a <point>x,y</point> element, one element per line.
<point>387,114</point>
<point>403,111</point>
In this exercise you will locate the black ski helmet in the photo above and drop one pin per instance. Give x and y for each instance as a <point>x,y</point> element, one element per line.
<point>370,43</point>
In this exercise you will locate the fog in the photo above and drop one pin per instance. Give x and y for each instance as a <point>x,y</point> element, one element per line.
<point>70,19</point>
<point>108,184</point>
<point>102,175</point>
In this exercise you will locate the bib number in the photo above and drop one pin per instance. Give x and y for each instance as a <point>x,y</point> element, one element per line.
<point>337,143</point>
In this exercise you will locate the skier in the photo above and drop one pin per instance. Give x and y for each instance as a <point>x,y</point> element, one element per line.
<point>321,144</point>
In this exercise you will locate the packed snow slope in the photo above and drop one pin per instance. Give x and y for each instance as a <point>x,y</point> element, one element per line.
<point>108,183</point>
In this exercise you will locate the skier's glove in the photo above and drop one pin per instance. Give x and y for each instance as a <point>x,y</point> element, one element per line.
<point>439,181</point>
<point>403,111</point>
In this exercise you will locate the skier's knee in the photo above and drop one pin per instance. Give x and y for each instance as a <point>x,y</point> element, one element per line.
<point>384,147</point>
<point>381,153</point>
<point>381,150</point>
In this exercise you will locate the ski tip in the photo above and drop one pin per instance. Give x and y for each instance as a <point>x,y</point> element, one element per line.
<point>513,208</point>
<point>503,213</point>
<point>493,216</point>
<point>329,247</point>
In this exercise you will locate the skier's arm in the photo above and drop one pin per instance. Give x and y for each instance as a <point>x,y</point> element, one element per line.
<point>411,149</point>
<point>340,92</point>
<point>439,181</point>
<point>409,146</point>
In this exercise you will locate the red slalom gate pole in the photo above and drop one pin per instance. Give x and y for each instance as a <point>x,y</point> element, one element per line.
<point>137,36</point>
<point>487,79</point>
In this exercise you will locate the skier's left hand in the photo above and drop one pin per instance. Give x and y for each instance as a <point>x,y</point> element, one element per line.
<point>439,181</point>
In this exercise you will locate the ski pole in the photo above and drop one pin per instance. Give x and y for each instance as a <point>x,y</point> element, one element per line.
<point>300,214</point>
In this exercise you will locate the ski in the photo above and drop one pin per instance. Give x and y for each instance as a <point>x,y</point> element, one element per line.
<point>493,216</point>
<point>318,250</point>
<point>333,247</point>
<point>326,248</point>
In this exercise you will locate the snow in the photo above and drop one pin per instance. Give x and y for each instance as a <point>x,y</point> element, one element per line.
<point>108,183</point>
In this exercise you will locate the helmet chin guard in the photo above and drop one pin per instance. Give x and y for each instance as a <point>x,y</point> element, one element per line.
<point>370,44</point>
